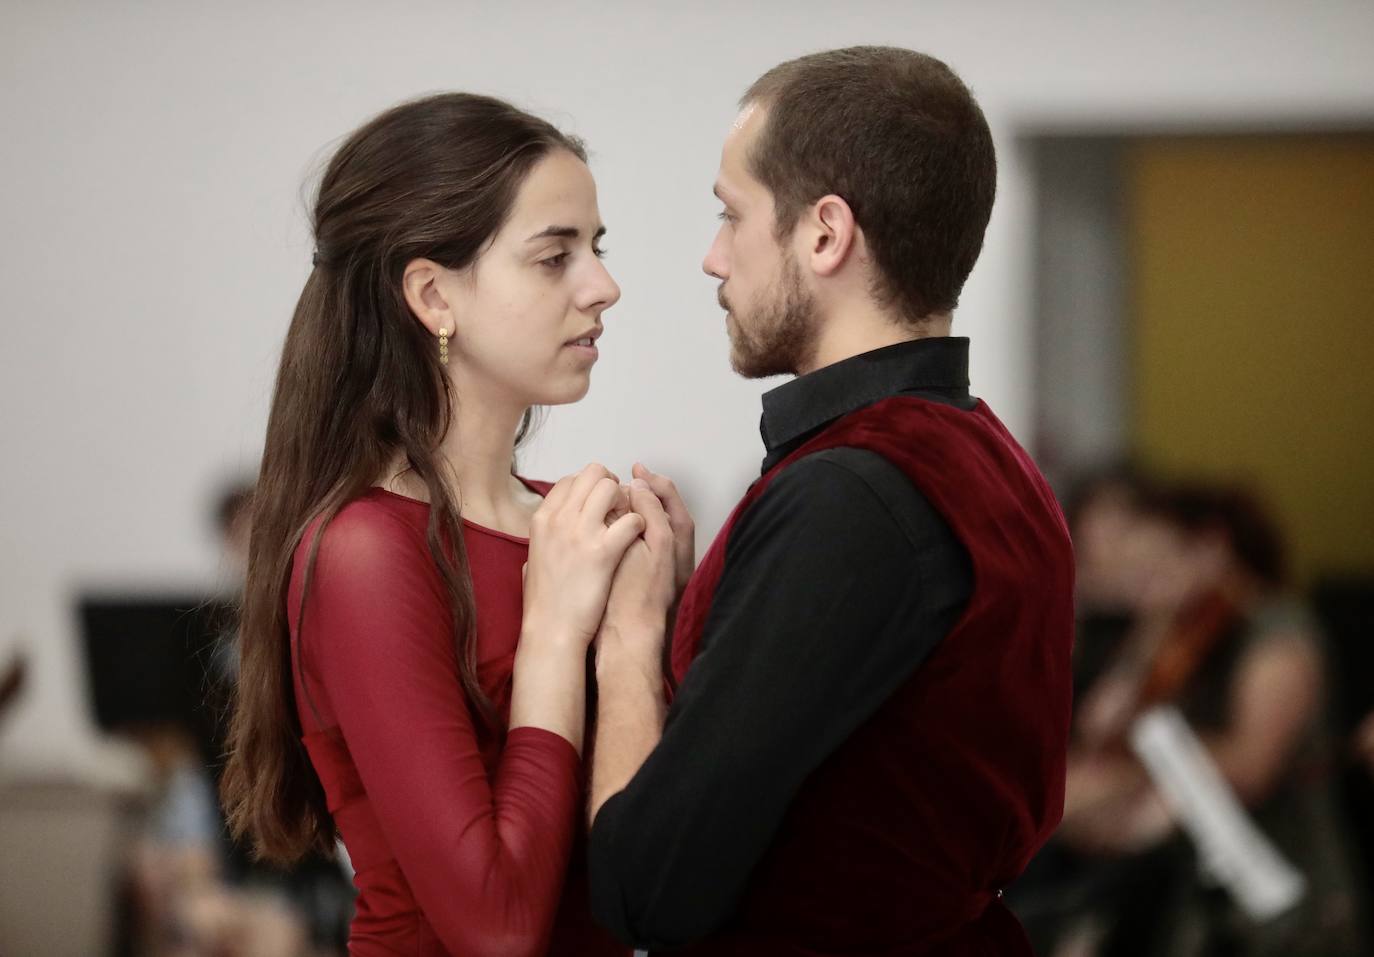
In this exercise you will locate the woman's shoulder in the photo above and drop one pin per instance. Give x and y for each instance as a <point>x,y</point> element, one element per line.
<point>371,532</point>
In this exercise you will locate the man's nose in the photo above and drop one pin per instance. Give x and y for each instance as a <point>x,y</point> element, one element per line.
<point>714,263</point>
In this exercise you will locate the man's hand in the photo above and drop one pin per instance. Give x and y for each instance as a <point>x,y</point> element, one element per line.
<point>629,652</point>
<point>643,587</point>
<point>679,519</point>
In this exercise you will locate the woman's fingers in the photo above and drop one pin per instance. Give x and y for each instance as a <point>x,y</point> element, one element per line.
<point>623,531</point>
<point>558,494</point>
<point>585,481</point>
<point>601,500</point>
<point>621,506</point>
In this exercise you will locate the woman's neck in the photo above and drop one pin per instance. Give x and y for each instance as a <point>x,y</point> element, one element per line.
<point>476,455</point>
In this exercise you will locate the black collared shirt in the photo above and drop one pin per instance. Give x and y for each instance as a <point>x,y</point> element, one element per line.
<point>838,582</point>
<point>936,369</point>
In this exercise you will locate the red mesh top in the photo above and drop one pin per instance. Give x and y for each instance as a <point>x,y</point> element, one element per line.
<point>461,839</point>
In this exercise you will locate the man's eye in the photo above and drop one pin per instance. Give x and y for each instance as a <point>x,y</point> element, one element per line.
<point>725,217</point>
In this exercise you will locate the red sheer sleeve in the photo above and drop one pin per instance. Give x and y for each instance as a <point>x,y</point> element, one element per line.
<point>484,858</point>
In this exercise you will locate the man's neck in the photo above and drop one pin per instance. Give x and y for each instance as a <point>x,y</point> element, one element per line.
<point>863,330</point>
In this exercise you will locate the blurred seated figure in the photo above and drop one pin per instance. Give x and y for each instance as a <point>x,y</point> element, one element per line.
<point>181,903</point>
<point>162,669</point>
<point>1216,634</point>
<point>233,515</point>
<point>1104,511</point>
<point>147,657</point>
<point>318,890</point>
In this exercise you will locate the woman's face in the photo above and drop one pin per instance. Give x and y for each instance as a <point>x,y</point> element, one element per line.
<point>526,308</point>
<point>1175,565</point>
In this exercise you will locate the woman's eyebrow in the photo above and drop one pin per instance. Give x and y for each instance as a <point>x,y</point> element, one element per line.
<point>565,232</point>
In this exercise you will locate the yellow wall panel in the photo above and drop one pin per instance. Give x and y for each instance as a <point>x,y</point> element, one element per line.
<point>1252,300</point>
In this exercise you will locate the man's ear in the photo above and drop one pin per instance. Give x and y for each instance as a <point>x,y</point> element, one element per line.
<point>833,234</point>
<point>426,296</point>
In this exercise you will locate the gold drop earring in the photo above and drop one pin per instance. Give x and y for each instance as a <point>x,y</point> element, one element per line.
<point>443,346</point>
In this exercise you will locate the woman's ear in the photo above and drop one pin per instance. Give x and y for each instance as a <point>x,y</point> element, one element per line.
<point>427,297</point>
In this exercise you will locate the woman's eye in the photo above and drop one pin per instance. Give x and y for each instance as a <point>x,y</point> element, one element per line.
<point>600,253</point>
<point>554,262</point>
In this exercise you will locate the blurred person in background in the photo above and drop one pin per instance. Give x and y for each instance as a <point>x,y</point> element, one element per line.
<point>233,516</point>
<point>1218,633</point>
<point>317,891</point>
<point>234,522</point>
<point>182,905</point>
<point>399,685</point>
<point>191,891</point>
<point>1103,510</point>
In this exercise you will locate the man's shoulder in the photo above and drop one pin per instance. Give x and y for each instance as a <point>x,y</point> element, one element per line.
<point>860,483</point>
<point>847,470</point>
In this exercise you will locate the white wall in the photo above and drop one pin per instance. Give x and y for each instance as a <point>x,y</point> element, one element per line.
<point>152,241</point>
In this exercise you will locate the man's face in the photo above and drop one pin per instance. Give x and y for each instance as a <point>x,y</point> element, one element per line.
<point>770,314</point>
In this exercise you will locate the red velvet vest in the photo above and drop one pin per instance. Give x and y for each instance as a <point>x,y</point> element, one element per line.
<point>900,842</point>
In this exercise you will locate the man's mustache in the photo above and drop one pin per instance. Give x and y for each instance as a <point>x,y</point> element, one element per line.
<point>720,298</point>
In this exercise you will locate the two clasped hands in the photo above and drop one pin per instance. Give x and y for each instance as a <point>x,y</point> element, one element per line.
<point>607,563</point>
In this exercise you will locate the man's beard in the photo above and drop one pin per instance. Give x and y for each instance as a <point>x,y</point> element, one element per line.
<point>777,336</point>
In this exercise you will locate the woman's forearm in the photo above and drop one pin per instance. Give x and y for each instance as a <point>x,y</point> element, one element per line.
<point>549,687</point>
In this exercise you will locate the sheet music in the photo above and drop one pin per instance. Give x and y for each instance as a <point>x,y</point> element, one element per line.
<point>1230,847</point>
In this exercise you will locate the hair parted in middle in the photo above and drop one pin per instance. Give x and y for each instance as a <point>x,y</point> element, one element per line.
<point>900,138</point>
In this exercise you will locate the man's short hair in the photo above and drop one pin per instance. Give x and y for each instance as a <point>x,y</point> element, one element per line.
<point>899,137</point>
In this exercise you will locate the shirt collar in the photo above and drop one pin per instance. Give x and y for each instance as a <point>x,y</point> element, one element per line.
<point>808,402</point>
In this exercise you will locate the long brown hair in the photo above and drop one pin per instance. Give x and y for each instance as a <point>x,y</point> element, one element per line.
<point>360,384</point>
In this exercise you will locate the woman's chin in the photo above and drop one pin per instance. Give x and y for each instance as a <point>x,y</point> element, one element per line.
<point>565,393</point>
